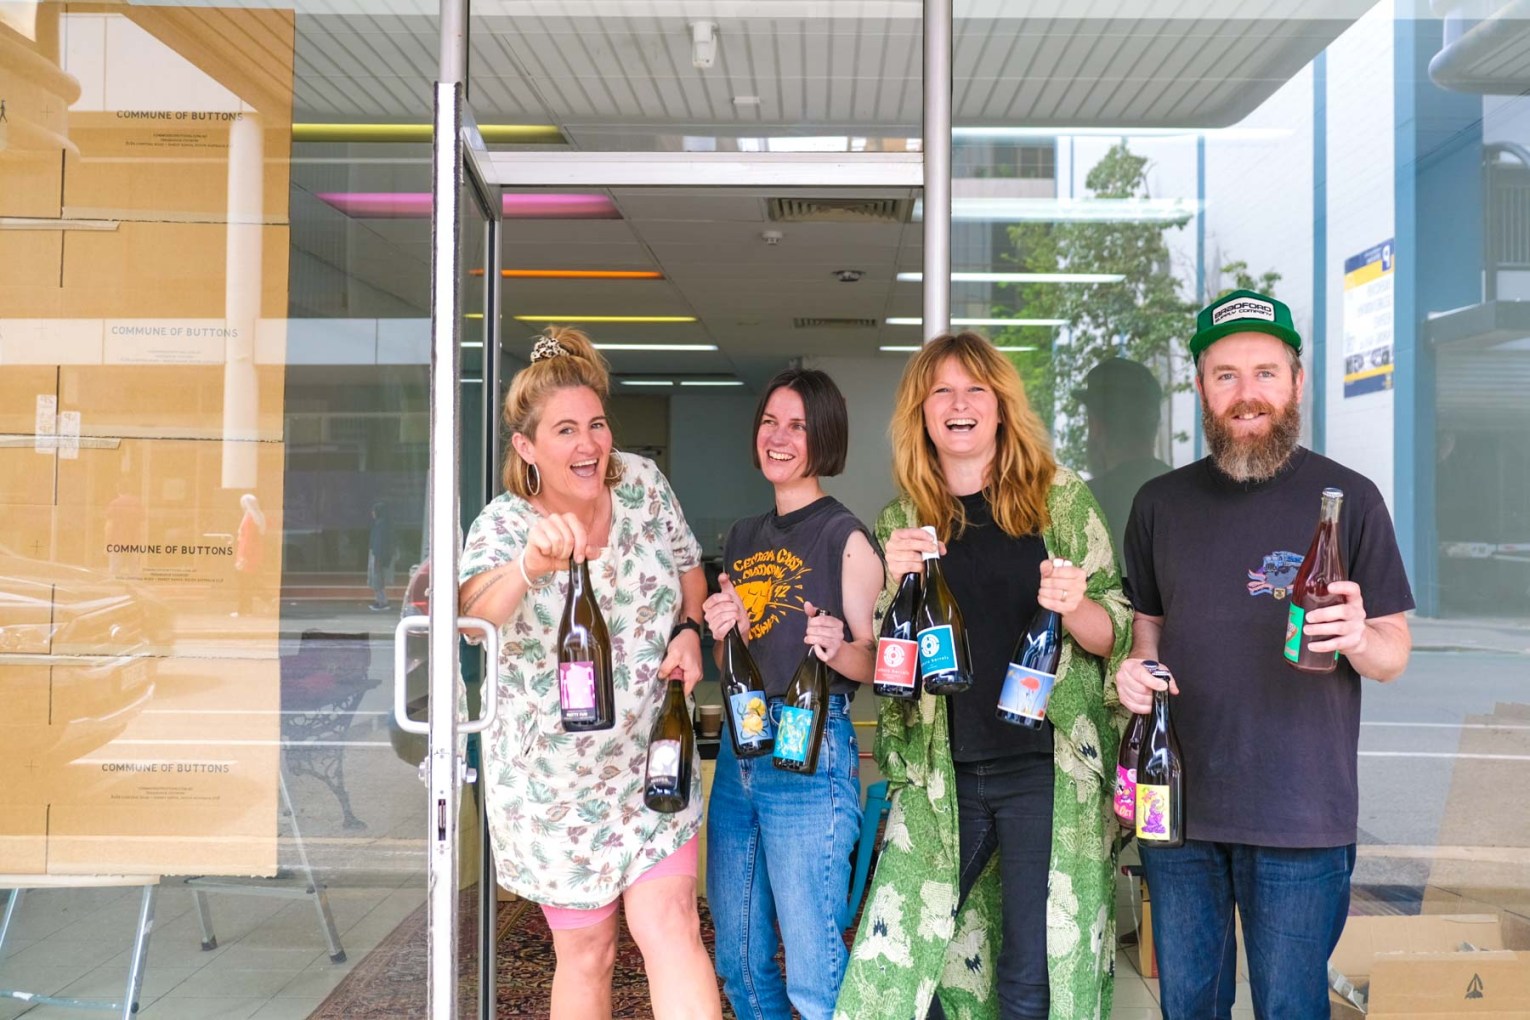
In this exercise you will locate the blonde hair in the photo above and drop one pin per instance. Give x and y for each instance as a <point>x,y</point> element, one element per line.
<point>562,358</point>
<point>1021,472</point>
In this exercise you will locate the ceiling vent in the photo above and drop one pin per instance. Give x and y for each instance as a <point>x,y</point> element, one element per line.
<point>840,210</point>
<point>834,323</point>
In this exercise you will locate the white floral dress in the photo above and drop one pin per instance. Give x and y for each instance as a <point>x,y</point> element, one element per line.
<point>566,811</point>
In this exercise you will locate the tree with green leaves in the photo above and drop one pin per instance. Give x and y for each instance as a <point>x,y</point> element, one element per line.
<point>1142,315</point>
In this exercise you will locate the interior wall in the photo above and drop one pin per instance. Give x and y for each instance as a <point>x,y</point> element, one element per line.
<point>869,385</point>
<point>712,473</point>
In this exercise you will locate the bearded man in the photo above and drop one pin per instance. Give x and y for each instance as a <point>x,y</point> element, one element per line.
<point>1271,790</point>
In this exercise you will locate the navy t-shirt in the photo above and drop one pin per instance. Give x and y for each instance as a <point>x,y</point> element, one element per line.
<point>1269,752</point>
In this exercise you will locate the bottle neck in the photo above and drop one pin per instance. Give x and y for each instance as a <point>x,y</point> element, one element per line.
<point>579,578</point>
<point>1161,709</point>
<point>1330,512</point>
<point>674,693</point>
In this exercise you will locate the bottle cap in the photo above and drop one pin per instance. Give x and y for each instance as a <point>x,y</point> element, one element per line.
<point>930,530</point>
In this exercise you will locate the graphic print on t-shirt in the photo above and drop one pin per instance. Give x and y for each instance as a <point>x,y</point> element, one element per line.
<point>770,585</point>
<point>1276,574</point>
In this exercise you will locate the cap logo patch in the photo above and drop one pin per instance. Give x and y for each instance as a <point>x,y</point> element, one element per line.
<point>1243,308</point>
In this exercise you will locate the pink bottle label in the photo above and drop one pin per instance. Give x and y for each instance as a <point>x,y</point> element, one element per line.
<point>1126,794</point>
<point>576,685</point>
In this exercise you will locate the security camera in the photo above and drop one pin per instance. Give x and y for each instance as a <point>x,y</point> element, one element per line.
<point>703,44</point>
<point>848,275</point>
<point>771,237</point>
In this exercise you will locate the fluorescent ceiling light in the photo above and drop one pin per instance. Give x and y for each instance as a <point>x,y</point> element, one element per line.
<point>577,274</point>
<point>1068,210</point>
<point>410,205</point>
<point>607,318</point>
<point>656,347</point>
<point>984,322</point>
<point>473,343</point>
<point>901,349</point>
<point>1021,277</point>
<point>711,382</point>
<point>648,382</point>
<point>473,315</point>
<point>1239,133</point>
<point>493,133</point>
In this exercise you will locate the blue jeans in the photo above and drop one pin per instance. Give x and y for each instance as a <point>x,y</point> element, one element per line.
<point>778,853</point>
<point>1293,903</point>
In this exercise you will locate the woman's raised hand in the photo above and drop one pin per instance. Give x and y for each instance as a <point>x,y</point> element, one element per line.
<point>1063,586</point>
<point>825,632</point>
<point>905,549</point>
<point>725,610</point>
<point>553,542</point>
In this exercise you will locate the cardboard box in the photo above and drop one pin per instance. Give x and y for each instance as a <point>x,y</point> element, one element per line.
<point>1412,968</point>
<point>1147,956</point>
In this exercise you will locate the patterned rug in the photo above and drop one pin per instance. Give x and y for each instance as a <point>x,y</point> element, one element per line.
<point>390,981</point>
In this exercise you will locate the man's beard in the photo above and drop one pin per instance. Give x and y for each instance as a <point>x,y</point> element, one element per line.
<point>1252,458</point>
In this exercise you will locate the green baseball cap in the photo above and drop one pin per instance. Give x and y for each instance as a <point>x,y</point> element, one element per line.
<point>1243,311</point>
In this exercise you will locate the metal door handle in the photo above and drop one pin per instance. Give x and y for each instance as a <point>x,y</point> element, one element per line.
<point>421,624</point>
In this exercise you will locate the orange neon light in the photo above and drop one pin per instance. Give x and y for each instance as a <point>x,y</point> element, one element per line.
<point>577,274</point>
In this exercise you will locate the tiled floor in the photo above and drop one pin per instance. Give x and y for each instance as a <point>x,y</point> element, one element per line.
<point>271,962</point>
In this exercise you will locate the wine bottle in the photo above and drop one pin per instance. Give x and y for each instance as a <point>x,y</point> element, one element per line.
<point>1032,671</point>
<point>1160,808</point>
<point>897,669</point>
<point>945,661</point>
<point>586,696</point>
<point>1321,567</point>
<point>1125,800</point>
<point>747,710</point>
<point>804,710</point>
<point>671,745</point>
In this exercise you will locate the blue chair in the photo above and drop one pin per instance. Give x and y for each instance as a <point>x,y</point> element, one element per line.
<point>877,806</point>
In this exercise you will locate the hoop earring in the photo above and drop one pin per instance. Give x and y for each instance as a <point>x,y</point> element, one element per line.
<point>533,480</point>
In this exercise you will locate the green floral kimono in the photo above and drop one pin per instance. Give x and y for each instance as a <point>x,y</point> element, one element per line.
<point>909,944</point>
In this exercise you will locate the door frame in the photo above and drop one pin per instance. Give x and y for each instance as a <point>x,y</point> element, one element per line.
<point>459,156</point>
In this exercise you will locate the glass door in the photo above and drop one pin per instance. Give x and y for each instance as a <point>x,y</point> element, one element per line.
<point>463,344</point>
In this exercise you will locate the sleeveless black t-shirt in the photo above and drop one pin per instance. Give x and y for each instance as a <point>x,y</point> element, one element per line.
<point>778,562</point>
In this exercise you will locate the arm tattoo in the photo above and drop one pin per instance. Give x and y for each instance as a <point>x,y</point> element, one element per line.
<point>473,599</point>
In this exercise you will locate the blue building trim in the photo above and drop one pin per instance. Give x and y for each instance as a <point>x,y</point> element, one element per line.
<point>1317,361</point>
<point>1439,216</point>
<point>1410,517</point>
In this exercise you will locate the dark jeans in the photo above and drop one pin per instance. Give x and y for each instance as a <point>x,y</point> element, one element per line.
<point>1006,807</point>
<point>1293,903</point>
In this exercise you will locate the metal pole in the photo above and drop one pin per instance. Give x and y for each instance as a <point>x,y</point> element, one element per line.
<point>445,473</point>
<point>937,167</point>
<point>454,27</point>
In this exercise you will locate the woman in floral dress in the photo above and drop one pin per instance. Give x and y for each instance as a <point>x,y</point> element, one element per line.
<point>976,800</point>
<point>566,814</point>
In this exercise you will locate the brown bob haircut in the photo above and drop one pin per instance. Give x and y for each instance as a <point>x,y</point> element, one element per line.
<point>828,422</point>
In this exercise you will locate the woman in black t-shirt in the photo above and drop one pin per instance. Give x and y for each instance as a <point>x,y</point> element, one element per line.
<point>972,459</point>
<point>778,842</point>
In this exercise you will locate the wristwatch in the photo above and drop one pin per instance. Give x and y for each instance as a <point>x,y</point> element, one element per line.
<point>685,625</point>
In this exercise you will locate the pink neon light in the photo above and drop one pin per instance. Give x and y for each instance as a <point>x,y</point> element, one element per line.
<point>407,205</point>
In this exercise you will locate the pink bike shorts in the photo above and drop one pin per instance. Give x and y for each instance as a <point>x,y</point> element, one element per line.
<point>681,862</point>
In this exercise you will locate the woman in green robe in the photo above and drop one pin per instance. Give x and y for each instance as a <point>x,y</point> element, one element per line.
<point>972,796</point>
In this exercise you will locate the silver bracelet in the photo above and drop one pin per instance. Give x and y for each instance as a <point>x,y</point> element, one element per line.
<point>546,579</point>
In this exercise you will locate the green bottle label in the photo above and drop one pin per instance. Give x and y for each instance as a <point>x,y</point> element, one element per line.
<point>1294,632</point>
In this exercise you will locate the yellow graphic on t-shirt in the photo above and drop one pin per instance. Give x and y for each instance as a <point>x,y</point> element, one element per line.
<point>770,585</point>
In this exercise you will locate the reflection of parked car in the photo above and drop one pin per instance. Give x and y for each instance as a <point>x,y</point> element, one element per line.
<point>94,635</point>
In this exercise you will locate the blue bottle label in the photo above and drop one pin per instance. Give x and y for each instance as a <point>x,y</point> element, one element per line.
<point>937,650</point>
<point>751,717</point>
<point>792,734</point>
<point>1026,692</point>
